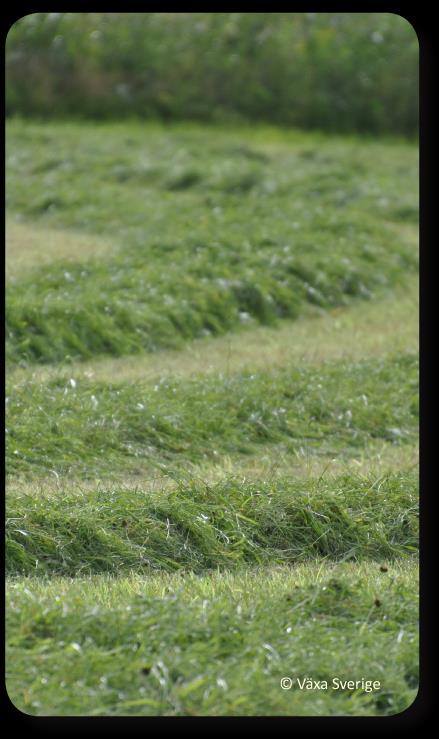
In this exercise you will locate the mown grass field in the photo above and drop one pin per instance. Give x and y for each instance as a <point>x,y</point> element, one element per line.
<point>212,420</point>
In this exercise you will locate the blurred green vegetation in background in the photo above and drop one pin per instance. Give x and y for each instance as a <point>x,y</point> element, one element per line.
<point>330,71</point>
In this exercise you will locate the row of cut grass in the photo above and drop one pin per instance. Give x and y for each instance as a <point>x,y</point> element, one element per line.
<point>88,428</point>
<point>197,526</point>
<point>192,258</point>
<point>116,307</point>
<point>349,334</point>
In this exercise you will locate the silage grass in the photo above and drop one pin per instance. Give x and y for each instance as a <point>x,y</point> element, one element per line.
<point>87,428</point>
<point>215,644</point>
<point>192,258</point>
<point>196,526</point>
<point>318,335</point>
<point>126,597</point>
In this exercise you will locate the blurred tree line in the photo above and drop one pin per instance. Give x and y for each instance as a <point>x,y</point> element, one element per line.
<point>330,71</point>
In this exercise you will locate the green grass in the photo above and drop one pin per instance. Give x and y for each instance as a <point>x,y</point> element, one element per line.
<point>192,259</point>
<point>89,428</point>
<point>320,335</point>
<point>197,526</point>
<point>216,644</point>
<point>212,420</point>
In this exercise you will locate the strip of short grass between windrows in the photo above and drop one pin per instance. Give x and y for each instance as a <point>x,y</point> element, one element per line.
<point>90,428</point>
<point>197,526</point>
<point>193,260</point>
<point>30,246</point>
<point>216,644</point>
<point>271,462</point>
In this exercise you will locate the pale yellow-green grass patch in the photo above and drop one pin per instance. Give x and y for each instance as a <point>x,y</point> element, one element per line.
<point>30,245</point>
<point>270,463</point>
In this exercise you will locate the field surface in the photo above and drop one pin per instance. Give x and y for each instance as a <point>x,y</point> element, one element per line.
<point>212,420</point>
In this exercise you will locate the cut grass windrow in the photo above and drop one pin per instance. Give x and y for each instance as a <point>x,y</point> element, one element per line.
<point>192,259</point>
<point>197,527</point>
<point>127,306</point>
<point>346,333</point>
<point>90,429</point>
